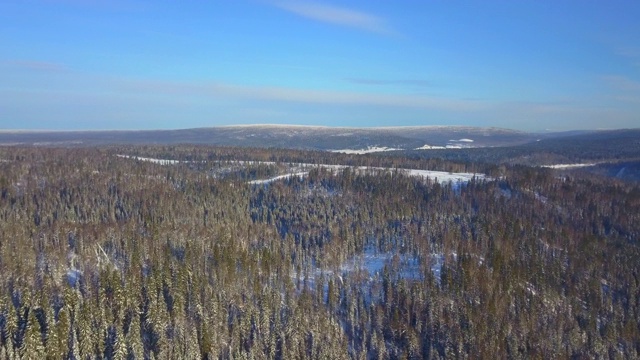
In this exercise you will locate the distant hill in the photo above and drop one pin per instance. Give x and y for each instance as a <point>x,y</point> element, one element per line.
<point>286,136</point>
<point>560,148</point>
<point>613,153</point>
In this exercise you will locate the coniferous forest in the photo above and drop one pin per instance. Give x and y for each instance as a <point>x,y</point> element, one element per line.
<point>106,253</point>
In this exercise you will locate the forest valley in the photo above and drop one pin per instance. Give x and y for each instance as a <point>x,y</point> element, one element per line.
<point>115,252</point>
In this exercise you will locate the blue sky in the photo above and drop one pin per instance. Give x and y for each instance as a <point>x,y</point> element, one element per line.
<point>116,64</point>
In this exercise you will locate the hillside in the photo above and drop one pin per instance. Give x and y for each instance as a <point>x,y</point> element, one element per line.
<point>591,147</point>
<point>283,136</point>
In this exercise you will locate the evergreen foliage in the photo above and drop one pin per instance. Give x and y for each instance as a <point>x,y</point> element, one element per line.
<point>110,257</point>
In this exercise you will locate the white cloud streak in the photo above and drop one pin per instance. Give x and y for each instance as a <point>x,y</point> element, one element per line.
<point>69,96</point>
<point>309,96</point>
<point>383,82</point>
<point>337,15</point>
<point>34,65</point>
<point>622,83</point>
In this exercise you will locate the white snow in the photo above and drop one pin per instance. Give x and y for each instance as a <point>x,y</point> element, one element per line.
<point>540,197</point>
<point>368,150</point>
<point>152,160</point>
<point>301,170</point>
<point>251,162</point>
<point>439,176</point>
<point>429,147</point>
<point>73,276</point>
<point>437,260</point>
<point>453,144</point>
<point>567,166</point>
<point>530,288</point>
<point>285,176</point>
<point>444,177</point>
<point>374,263</point>
<point>369,260</point>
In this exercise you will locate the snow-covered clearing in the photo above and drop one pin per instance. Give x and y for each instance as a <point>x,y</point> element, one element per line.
<point>373,263</point>
<point>279,177</point>
<point>441,177</point>
<point>452,144</point>
<point>369,271</point>
<point>449,146</point>
<point>429,147</point>
<point>152,160</point>
<point>368,150</point>
<point>567,166</point>
<point>444,177</point>
<point>302,169</point>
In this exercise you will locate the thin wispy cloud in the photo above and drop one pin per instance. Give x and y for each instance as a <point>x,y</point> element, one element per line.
<point>124,99</point>
<point>627,98</point>
<point>337,15</point>
<point>383,82</point>
<point>630,53</point>
<point>622,83</point>
<point>298,95</point>
<point>509,112</point>
<point>35,65</point>
<point>110,5</point>
<point>624,89</point>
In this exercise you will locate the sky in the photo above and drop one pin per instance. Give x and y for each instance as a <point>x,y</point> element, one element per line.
<point>138,64</point>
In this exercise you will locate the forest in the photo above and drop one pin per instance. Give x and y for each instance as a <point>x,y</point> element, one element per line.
<point>115,252</point>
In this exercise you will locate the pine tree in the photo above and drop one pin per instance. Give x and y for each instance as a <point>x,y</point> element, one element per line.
<point>32,346</point>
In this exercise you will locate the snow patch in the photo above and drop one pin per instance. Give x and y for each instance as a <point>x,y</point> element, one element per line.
<point>368,150</point>
<point>567,166</point>
<point>374,263</point>
<point>440,177</point>
<point>73,276</point>
<point>152,160</point>
<point>279,177</point>
<point>444,177</point>
<point>429,147</point>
